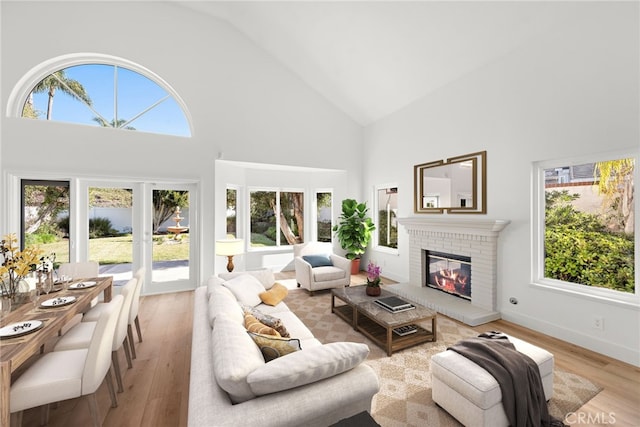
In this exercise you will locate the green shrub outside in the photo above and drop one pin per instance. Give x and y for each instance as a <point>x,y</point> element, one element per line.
<point>580,249</point>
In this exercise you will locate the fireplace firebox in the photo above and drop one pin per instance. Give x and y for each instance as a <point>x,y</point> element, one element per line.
<point>449,273</point>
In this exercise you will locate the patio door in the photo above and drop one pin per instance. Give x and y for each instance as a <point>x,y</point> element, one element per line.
<point>170,237</point>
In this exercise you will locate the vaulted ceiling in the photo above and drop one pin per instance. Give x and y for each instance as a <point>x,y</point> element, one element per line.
<point>372,58</point>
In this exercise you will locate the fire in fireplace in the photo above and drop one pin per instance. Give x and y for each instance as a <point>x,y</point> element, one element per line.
<point>449,273</point>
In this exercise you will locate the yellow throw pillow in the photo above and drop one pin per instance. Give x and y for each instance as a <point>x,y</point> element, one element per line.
<point>254,325</point>
<point>274,295</point>
<point>273,347</point>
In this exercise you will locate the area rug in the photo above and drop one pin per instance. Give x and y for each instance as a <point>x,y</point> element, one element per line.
<point>404,398</point>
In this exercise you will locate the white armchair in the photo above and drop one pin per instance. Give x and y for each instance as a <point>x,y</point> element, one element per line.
<point>317,267</point>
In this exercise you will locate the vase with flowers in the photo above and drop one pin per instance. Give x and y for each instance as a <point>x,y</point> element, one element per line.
<point>16,265</point>
<point>373,279</point>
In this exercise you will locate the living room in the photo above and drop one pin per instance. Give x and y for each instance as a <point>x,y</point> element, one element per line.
<point>565,87</point>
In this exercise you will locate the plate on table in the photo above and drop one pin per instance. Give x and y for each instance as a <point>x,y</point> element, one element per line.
<point>83,285</point>
<point>57,302</point>
<point>20,328</point>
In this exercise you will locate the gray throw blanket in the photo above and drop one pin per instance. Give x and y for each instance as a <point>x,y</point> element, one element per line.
<point>516,373</point>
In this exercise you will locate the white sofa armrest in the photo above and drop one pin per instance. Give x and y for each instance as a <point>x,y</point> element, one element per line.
<point>304,272</point>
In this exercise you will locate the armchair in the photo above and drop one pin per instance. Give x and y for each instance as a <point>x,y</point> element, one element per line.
<point>317,267</point>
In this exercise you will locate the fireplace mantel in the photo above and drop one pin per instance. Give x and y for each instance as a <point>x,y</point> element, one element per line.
<point>480,226</point>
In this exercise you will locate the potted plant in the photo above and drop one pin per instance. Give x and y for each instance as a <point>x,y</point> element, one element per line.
<point>373,279</point>
<point>354,231</point>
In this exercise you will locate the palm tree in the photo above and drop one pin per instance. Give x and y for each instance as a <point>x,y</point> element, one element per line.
<point>113,123</point>
<point>59,81</point>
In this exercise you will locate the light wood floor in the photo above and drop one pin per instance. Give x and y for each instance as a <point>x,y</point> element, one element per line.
<point>157,388</point>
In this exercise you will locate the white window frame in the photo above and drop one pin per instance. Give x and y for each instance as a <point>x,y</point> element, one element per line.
<point>30,79</point>
<point>277,190</point>
<point>314,212</point>
<point>538,232</point>
<point>376,219</point>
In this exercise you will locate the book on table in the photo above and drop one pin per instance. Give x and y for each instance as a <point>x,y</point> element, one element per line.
<point>394,304</point>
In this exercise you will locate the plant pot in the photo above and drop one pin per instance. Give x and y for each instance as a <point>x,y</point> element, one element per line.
<point>374,291</point>
<point>355,266</point>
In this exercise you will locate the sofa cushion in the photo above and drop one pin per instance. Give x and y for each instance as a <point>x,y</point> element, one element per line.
<point>267,319</point>
<point>274,347</point>
<point>318,260</point>
<point>325,274</point>
<point>235,357</point>
<point>253,325</point>
<point>306,366</point>
<point>246,289</point>
<point>221,300</point>
<point>264,275</point>
<point>274,295</point>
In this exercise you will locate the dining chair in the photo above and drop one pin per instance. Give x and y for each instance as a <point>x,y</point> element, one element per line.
<point>80,335</point>
<point>62,375</point>
<point>79,270</point>
<point>133,314</point>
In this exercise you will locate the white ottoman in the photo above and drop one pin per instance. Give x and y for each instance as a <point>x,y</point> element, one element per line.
<point>472,395</point>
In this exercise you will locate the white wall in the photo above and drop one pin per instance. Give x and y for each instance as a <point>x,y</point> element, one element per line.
<point>244,105</point>
<point>572,90</point>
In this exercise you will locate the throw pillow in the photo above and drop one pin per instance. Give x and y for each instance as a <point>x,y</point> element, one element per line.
<point>318,260</point>
<point>267,319</point>
<point>273,347</point>
<point>264,275</point>
<point>307,366</point>
<point>246,289</point>
<point>253,325</point>
<point>274,295</point>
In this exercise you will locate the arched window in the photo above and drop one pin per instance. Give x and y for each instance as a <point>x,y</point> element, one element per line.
<point>105,92</point>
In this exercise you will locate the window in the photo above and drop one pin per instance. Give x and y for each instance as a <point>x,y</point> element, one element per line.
<point>107,96</point>
<point>232,213</point>
<point>45,216</point>
<point>387,217</point>
<point>276,218</point>
<point>324,216</point>
<point>586,232</point>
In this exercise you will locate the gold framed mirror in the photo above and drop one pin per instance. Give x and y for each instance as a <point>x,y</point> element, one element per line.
<point>457,185</point>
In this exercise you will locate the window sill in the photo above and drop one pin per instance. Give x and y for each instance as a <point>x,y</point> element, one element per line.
<point>607,296</point>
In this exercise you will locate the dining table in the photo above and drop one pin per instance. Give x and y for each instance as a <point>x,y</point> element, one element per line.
<point>52,313</point>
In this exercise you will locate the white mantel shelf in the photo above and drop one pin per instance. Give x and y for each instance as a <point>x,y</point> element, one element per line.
<point>479,226</point>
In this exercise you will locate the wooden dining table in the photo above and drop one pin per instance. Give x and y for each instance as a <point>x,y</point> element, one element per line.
<point>14,352</point>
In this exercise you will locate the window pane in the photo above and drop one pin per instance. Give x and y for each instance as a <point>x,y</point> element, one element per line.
<point>263,219</point>
<point>45,217</point>
<point>324,216</point>
<point>291,218</point>
<point>387,217</point>
<point>589,224</point>
<point>170,236</point>
<point>111,231</point>
<point>232,213</point>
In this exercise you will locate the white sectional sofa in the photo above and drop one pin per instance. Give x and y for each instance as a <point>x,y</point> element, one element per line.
<point>232,385</point>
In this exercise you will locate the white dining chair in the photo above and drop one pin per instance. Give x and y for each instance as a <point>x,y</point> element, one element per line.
<point>79,270</point>
<point>61,375</point>
<point>133,314</point>
<point>80,335</point>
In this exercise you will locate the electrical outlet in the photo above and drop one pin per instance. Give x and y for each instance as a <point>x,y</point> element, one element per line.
<point>598,323</point>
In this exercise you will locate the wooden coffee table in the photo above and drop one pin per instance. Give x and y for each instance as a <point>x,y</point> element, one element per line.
<point>378,324</point>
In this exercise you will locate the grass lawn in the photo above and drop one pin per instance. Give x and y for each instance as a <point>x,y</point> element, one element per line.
<point>118,250</point>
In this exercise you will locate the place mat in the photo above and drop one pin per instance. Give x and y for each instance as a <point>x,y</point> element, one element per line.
<point>57,302</point>
<point>20,328</point>
<point>83,285</point>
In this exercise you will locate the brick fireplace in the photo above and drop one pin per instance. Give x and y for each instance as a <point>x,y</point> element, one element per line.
<point>473,238</point>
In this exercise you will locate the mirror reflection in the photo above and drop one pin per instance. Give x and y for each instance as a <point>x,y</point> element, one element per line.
<point>456,185</point>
